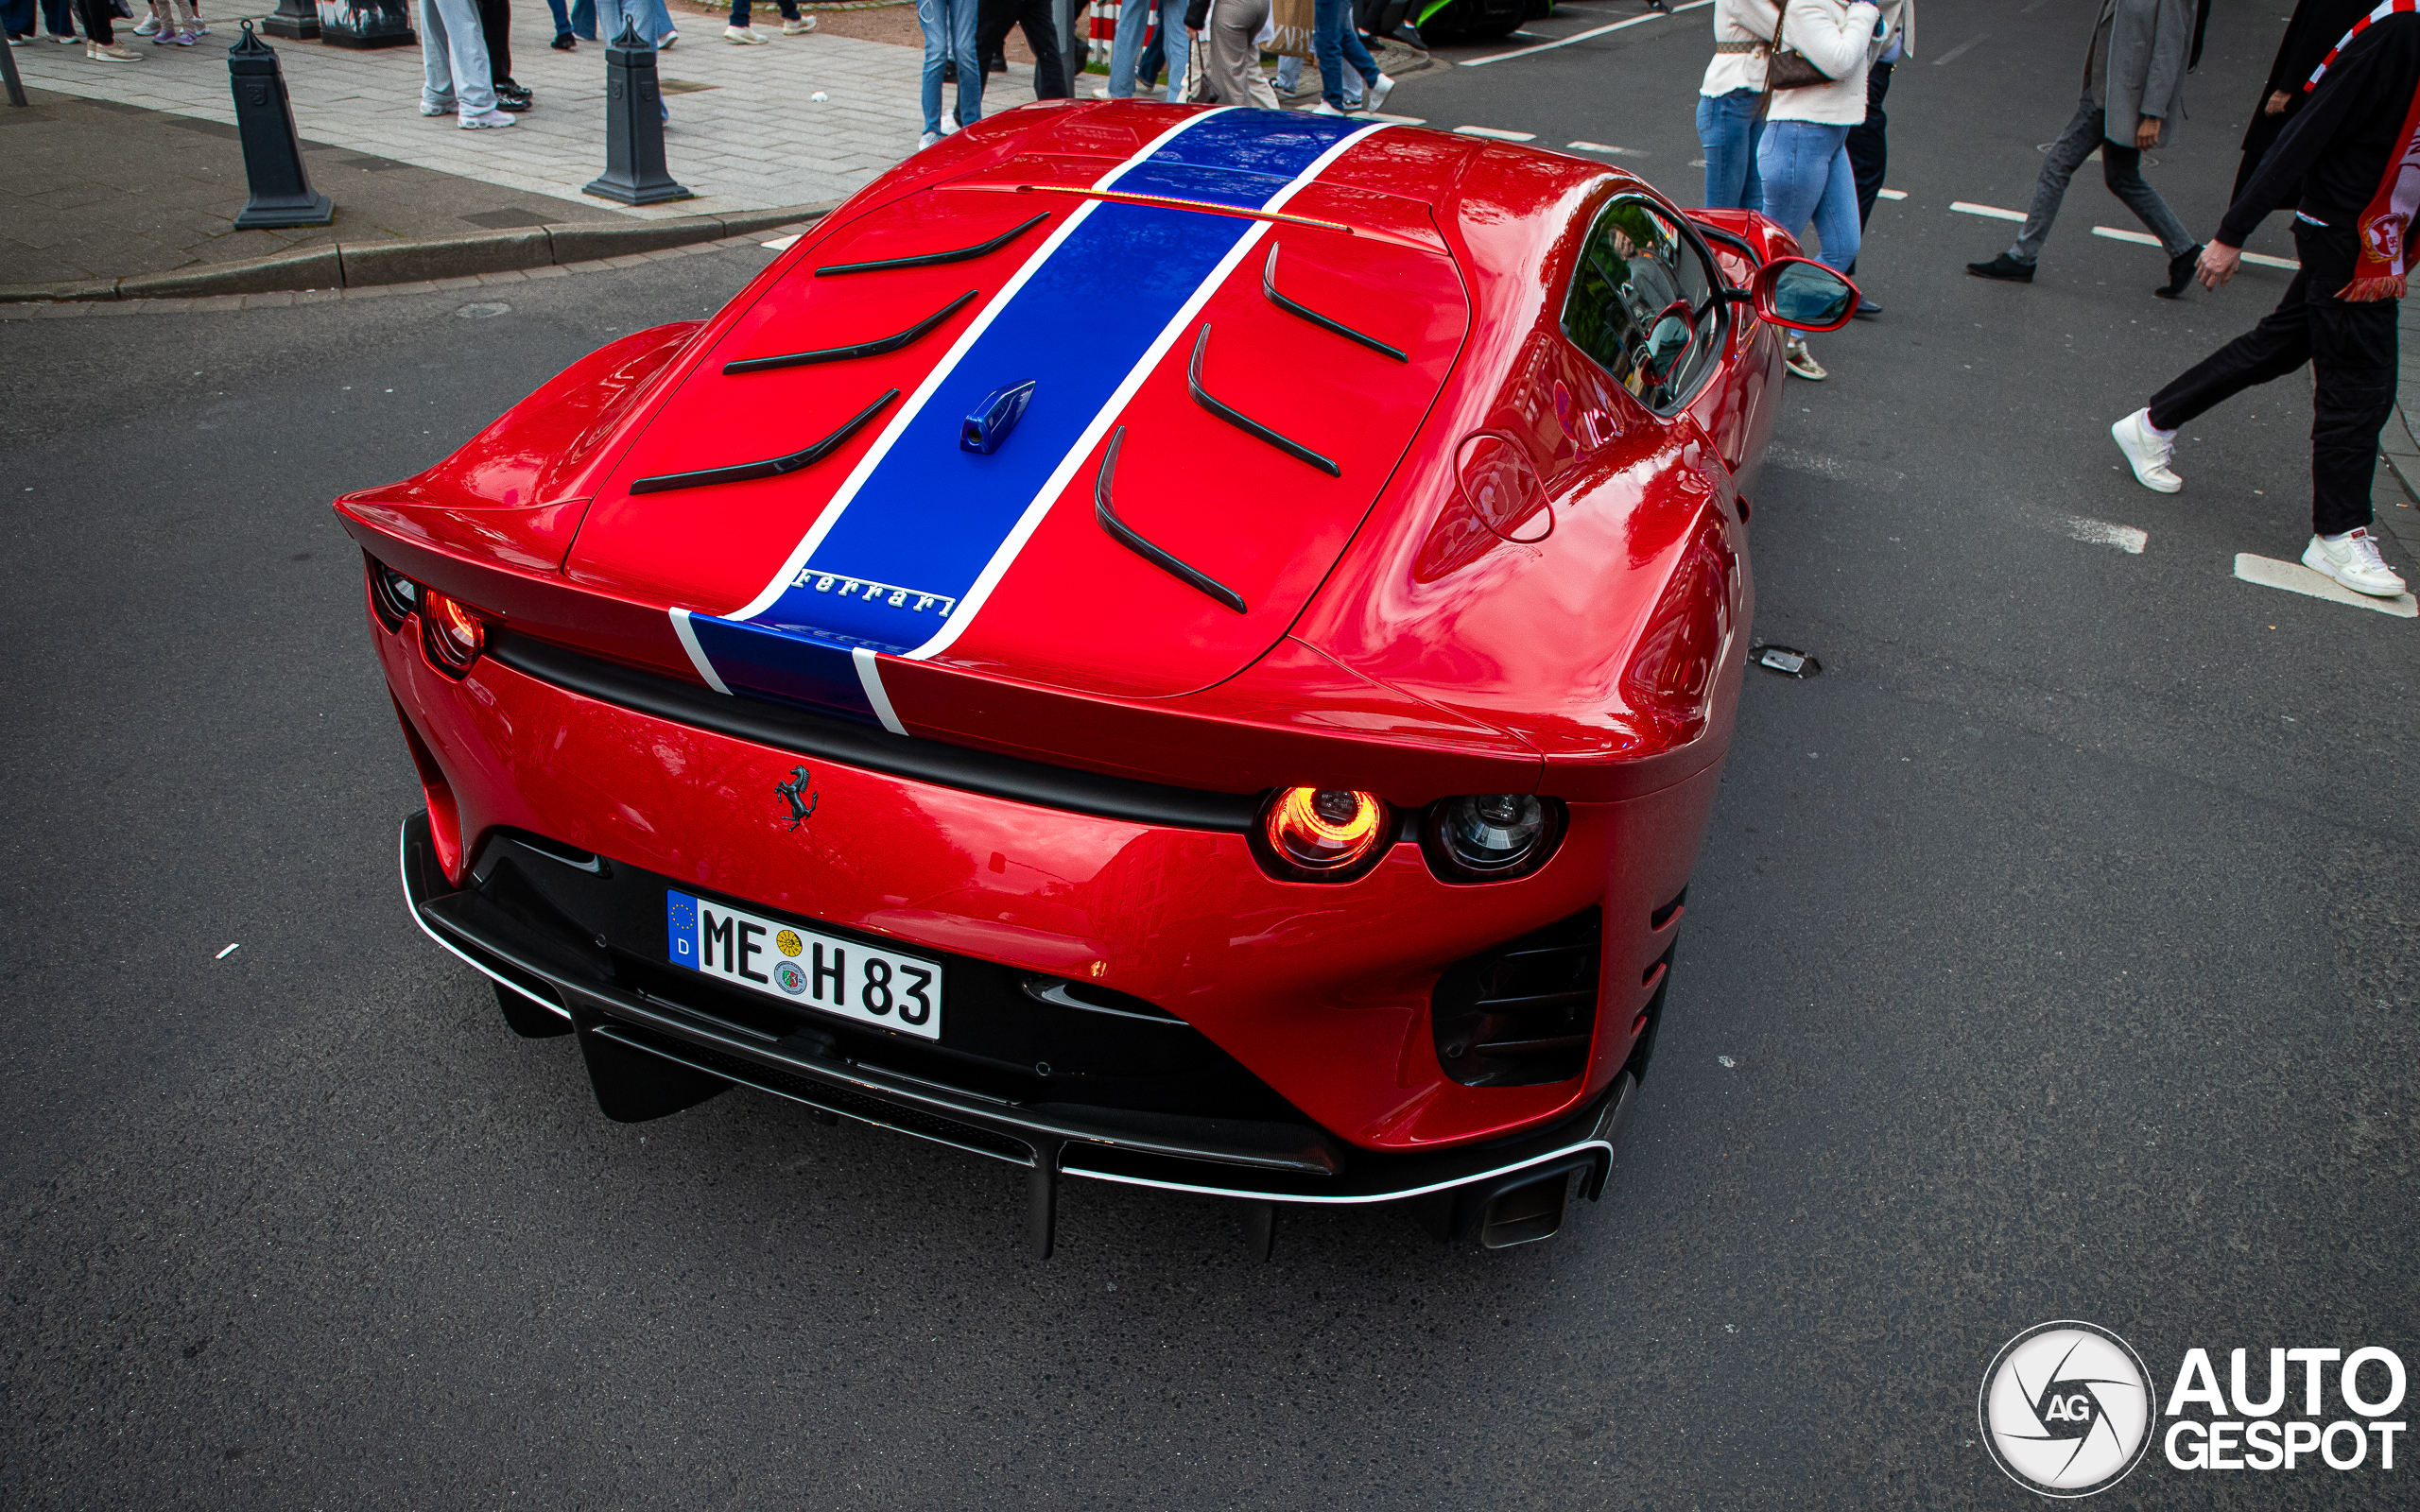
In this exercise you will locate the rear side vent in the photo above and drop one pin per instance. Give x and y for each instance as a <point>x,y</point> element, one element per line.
<point>1523,1013</point>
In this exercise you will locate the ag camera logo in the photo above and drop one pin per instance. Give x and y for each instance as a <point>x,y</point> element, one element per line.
<point>2066,1409</point>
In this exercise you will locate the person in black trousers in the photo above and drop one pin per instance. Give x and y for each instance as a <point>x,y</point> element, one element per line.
<point>495,25</point>
<point>2342,148</point>
<point>993,20</point>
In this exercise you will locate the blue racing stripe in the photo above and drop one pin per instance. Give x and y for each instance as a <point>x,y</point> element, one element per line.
<point>908,546</point>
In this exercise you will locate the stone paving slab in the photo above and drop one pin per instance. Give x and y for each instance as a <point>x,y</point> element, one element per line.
<point>751,137</point>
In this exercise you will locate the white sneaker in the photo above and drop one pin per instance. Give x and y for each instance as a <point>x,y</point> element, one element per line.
<point>1802,361</point>
<point>148,27</point>
<point>665,42</point>
<point>797,25</point>
<point>1376,93</point>
<point>1324,108</point>
<point>2148,452</point>
<point>744,35</point>
<point>427,109</point>
<point>949,123</point>
<point>2353,559</point>
<point>927,140</point>
<point>485,121</point>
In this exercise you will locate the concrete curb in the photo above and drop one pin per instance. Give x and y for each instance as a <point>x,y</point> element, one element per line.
<point>358,265</point>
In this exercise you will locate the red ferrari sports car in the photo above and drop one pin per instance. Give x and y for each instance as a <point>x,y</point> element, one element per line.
<point>1218,684</point>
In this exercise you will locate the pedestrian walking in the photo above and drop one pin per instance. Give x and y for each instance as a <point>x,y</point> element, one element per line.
<point>1803,156</point>
<point>1869,142</point>
<point>741,33</point>
<point>2354,149</point>
<point>949,39</point>
<point>455,77</point>
<point>1125,48</point>
<point>1731,102</point>
<point>994,19</point>
<point>56,16</point>
<point>100,39</point>
<point>2316,27</point>
<point>1230,32</point>
<point>2134,84</point>
<point>495,30</point>
<point>174,24</point>
<point>1338,44</point>
<point>575,21</point>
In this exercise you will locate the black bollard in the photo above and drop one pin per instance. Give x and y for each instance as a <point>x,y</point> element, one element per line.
<point>294,20</point>
<point>281,192</point>
<point>633,125</point>
<point>8,67</point>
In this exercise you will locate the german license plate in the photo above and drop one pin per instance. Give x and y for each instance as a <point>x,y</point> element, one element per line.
<point>786,961</point>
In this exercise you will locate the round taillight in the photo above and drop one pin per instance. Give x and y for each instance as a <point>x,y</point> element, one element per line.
<point>1322,834</point>
<point>1487,836</point>
<point>455,636</point>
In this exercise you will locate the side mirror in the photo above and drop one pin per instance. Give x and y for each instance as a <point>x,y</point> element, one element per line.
<point>1804,295</point>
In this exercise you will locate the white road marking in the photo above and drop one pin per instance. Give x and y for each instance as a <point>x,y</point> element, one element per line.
<point>2296,578</point>
<point>2101,533</point>
<point>1837,468</point>
<point>1995,211</point>
<point>1580,36</point>
<point>1494,135</point>
<point>223,954</point>
<point>2144,240</point>
<point>1976,40</point>
<point>1892,193</point>
<point>781,244</point>
<point>1600,146</point>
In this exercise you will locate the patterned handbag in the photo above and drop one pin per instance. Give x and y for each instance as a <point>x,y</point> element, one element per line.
<point>1789,68</point>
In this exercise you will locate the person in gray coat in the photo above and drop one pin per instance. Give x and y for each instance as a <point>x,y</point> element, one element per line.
<point>2133,92</point>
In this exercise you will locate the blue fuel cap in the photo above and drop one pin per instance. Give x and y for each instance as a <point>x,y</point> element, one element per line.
<point>995,417</point>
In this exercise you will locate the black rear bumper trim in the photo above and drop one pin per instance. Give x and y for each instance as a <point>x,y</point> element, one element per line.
<point>1214,1157</point>
<point>802,732</point>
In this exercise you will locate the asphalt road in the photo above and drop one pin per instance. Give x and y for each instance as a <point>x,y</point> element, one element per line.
<point>2051,955</point>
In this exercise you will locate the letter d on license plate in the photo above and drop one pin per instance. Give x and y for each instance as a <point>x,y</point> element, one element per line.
<point>784,960</point>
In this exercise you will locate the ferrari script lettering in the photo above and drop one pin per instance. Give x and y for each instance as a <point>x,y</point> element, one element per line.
<point>912,599</point>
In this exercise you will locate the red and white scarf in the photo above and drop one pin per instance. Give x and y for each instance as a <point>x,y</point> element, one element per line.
<point>2379,266</point>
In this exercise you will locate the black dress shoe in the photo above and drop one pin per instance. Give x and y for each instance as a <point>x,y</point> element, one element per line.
<point>2180,273</point>
<point>1867,309</point>
<point>2004,268</point>
<point>562,44</point>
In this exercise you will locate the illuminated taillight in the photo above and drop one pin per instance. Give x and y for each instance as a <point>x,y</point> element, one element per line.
<point>1321,833</point>
<point>452,635</point>
<point>1491,836</point>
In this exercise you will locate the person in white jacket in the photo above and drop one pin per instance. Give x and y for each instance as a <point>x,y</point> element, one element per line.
<point>1731,102</point>
<point>1802,157</point>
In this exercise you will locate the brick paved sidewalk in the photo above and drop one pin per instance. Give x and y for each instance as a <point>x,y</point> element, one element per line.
<point>745,134</point>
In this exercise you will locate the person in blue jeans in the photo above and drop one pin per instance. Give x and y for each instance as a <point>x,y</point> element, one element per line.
<point>54,14</point>
<point>1802,157</point>
<point>1127,50</point>
<point>1731,103</point>
<point>576,20</point>
<point>949,36</point>
<point>1337,43</point>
